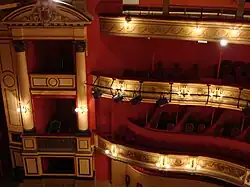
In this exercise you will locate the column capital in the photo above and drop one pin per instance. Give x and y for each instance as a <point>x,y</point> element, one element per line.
<point>19,45</point>
<point>80,45</point>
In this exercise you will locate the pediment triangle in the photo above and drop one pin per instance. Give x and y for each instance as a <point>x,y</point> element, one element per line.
<point>55,15</point>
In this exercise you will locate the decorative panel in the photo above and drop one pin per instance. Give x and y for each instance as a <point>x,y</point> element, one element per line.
<point>16,157</point>
<point>184,30</point>
<point>83,144</point>
<point>52,81</point>
<point>29,143</point>
<point>47,144</point>
<point>85,167</point>
<point>178,93</point>
<point>9,87</point>
<point>31,166</point>
<point>198,165</point>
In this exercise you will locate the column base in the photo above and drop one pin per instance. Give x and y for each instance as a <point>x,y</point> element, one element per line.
<point>86,133</point>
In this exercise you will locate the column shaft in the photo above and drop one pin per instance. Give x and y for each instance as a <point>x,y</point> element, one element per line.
<point>24,87</point>
<point>82,101</point>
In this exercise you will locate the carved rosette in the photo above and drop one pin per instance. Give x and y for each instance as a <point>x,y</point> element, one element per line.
<point>80,46</point>
<point>19,45</point>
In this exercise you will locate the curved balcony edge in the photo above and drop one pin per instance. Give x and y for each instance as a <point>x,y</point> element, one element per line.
<point>195,94</point>
<point>198,165</point>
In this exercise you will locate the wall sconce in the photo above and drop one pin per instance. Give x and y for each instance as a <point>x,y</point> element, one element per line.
<point>120,86</point>
<point>217,94</point>
<point>81,110</point>
<point>112,151</point>
<point>183,91</point>
<point>22,109</point>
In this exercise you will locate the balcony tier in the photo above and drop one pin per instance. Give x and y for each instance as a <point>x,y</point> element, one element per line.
<point>177,93</point>
<point>198,165</point>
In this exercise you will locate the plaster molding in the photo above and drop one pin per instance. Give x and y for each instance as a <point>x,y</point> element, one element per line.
<point>183,30</point>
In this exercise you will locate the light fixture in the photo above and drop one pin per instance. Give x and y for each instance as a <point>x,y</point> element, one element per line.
<point>118,97</point>
<point>22,109</point>
<point>107,152</point>
<point>202,41</point>
<point>161,101</point>
<point>96,93</point>
<point>217,94</point>
<point>137,98</point>
<point>128,18</point>
<point>81,110</point>
<point>183,91</point>
<point>198,30</point>
<point>223,42</point>
<point>198,167</point>
<point>187,166</point>
<point>113,150</point>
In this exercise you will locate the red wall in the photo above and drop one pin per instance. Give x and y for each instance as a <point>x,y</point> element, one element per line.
<point>43,109</point>
<point>102,167</point>
<point>206,3</point>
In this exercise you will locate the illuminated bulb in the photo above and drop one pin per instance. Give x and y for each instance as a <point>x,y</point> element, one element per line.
<point>187,166</point>
<point>223,42</point>
<point>158,164</point>
<point>107,151</point>
<point>198,167</point>
<point>81,109</point>
<point>202,41</point>
<point>198,30</point>
<point>22,109</point>
<point>168,166</point>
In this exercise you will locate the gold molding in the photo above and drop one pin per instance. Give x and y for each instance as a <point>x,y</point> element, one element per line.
<point>200,165</point>
<point>9,87</point>
<point>184,30</point>
<point>53,92</point>
<point>41,81</point>
<point>178,93</point>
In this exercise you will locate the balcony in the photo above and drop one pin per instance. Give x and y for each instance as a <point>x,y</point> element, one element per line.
<point>229,97</point>
<point>198,165</point>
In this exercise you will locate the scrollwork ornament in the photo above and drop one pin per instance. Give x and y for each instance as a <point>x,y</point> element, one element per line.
<point>80,46</point>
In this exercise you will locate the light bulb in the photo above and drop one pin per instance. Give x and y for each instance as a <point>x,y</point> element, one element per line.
<point>223,42</point>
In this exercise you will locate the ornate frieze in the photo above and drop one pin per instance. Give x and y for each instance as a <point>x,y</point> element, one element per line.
<point>177,93</point>
<point>198,165</point>
<point>184,30</point>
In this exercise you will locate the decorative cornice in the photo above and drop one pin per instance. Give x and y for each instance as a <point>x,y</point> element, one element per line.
<point>178,93</point>
<point>199,165</point>
<point>184,30</point>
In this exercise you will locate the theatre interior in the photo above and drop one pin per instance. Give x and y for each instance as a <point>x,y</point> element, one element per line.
<point>125,93</point>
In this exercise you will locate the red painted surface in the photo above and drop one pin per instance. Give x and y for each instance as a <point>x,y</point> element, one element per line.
<point>102,167</point>
<point>206,3</point>
<point>43,110</point>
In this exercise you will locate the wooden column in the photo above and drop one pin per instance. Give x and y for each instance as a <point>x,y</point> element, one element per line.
<point>81,87</point>
<point>24,87</point>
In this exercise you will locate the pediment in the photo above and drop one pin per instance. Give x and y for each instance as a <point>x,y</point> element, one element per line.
<point>47,16</point>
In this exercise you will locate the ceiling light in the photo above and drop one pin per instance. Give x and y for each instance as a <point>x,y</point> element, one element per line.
<point>223,42</point>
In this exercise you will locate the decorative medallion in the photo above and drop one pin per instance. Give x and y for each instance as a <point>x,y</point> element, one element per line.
<point>45,12</point>
<point>8,79</point>
<point>52,82</point>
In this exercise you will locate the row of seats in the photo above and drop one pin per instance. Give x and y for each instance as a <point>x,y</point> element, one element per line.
<point>230,73</point>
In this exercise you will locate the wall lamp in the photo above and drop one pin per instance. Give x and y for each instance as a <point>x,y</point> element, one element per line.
<point>81,110</point>
<point>22,109</point>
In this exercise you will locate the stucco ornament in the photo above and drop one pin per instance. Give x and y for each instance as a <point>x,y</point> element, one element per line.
<point>45,12</point>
